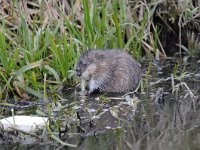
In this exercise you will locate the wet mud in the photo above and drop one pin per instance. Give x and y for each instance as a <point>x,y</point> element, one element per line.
<point>162,114</point>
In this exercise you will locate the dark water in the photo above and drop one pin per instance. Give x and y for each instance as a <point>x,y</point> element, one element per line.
<point>164,114</point>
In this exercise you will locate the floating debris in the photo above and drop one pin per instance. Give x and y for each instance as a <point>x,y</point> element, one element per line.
<point>24,123</point>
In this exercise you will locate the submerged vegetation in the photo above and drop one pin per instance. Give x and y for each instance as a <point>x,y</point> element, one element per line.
<point>41,41</point>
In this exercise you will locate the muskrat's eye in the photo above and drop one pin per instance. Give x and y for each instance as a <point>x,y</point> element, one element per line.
<point>84,64</point>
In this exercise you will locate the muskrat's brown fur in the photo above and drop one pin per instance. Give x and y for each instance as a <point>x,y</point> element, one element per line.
<point>109,70</point>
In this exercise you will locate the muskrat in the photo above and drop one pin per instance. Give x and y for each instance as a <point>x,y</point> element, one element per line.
<point>111,70</point>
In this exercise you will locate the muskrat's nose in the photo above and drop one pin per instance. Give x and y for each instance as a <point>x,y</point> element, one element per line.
<point>78,73</point>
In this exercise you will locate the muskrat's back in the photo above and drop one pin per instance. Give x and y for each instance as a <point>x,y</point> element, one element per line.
<point>109,70</point>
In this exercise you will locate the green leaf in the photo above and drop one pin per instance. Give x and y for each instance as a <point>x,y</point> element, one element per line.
<point>30,66</point>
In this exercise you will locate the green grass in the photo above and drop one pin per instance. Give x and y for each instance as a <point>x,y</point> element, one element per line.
<point>32,51</point>
<point>50,42</point>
